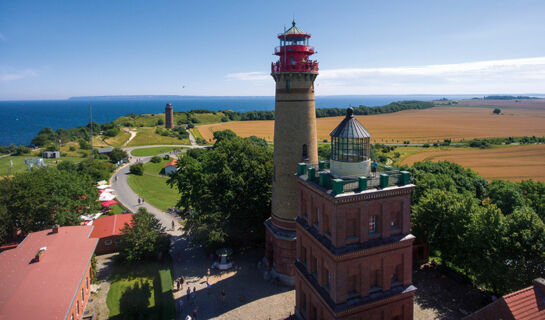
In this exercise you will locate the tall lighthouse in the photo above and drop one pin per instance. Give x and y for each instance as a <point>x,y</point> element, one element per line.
<point>295,141</point>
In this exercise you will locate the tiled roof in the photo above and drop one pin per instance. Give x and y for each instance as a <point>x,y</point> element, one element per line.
<point>525,304</point>
<point>45,289</point>
<point>172,162</point>
<point>111,225</point>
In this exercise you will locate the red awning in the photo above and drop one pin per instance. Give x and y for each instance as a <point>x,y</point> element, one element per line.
<point>109,203</point>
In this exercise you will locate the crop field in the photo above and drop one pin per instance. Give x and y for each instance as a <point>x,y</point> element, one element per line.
<point>416,126</point>
<point>536,104</point>
<point>513,163</point>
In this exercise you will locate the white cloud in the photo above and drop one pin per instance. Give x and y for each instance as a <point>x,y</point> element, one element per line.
<point>249,76</point>
<point>11,75</point>
<point>501,76</point>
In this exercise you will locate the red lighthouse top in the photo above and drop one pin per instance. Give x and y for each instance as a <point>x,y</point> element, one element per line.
<point>294,52</point>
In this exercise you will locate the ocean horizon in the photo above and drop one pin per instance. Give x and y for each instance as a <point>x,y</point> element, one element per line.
<point>21,120</point>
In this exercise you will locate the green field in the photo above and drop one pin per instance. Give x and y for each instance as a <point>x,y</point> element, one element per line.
<point>147,136</point>
<point>151,120</point>
<point>118,140</point>
<point>141,291</point>
<point>151,151</point>
<point>153,188</point>
<point>20,166</point>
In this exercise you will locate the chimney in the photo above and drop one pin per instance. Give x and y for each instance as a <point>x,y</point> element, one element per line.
<point>39,254</point>
<point>539,284</point>
<point>55,229</point>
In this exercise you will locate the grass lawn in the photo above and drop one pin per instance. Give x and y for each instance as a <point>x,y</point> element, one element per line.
<point>141,291</point>
<point>116,209</point>
<point>151,151</point>
<point>118,140</point>
<point>20,166</point>
<point>147,136</point>
<point>153,188</point>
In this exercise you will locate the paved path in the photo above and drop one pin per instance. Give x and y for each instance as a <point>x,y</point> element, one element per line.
<point>133,134</point>
<point>248,295</point>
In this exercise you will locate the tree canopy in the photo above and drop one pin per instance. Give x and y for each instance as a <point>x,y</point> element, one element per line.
<point>493,232</point>
<point>37,200</point>
<point>144,238</point>
<point>226,191</point>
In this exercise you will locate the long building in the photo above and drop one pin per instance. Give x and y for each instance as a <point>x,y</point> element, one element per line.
<point>48,275</point>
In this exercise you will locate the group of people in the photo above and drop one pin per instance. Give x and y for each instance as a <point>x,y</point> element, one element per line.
<point>140,200</point>
<point>191,295</point>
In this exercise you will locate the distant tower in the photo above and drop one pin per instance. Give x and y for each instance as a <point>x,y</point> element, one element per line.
<point>169,116</point>
<point>294,142</point>
<point>354,247</point>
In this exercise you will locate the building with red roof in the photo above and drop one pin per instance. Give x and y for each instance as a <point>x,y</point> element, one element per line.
<point>528,303</point>
<point>108,231</point>
<point>48,275</point>
<point>170,167</point>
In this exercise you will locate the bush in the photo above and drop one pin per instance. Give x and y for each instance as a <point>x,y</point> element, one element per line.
<point>426,145</point>
<point>166,157</point>
<point>72,148</point>
<point>118,155</point>
<point>137,169</point>
<point>160,122</point>
<point>496,111</point>
<point>155,159</point>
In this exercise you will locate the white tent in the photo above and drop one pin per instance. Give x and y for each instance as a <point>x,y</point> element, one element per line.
<point>106,196</point>
<point>104,186</point>
<point>102,182</point>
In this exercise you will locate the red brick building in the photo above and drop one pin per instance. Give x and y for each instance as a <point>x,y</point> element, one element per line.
<point>48,276</point>
<point>108,232</point>
<point>528,303</point>
<point>169,116</point>
<point>354,249</point>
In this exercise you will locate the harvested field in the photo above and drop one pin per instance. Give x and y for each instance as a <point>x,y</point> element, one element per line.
<point>535,104</point>
<point>430,125</point>
<point>513,163</point>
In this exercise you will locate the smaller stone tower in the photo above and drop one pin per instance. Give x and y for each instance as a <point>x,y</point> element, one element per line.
<point>169,116</point>
<point>354,247</point>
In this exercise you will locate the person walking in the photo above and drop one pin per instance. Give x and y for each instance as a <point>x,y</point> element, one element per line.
<point>222,295</point>
<point>172,224</point>
<point>188,293</point>
<point>194,293</point>
<point>181,305</point>
<point>207,275</point>
<point>138,200</point>
<point>178,284</point>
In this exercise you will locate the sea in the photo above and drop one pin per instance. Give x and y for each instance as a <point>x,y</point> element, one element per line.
<point>20,121</point>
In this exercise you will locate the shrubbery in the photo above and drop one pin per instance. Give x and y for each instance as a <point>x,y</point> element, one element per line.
<point>137,168</point>
<point>155,159</point>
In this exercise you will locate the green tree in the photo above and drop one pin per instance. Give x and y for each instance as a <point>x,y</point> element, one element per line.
<point>497,111</point>
<point>38,199</point>
<point>523,249</point>
<point>118,155</point>
<point>228,190</point>
<point>137,168</point>
<point>155,159</point>
<point>534,192</point>
<point>96,169</point>
<point>224,135</point>
<point>144,238</point>
<point>506,195</point>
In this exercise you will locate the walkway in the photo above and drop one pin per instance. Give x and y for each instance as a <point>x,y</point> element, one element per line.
<point>248,295</point>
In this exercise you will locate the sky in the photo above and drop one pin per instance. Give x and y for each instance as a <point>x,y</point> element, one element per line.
<point>59,49</point>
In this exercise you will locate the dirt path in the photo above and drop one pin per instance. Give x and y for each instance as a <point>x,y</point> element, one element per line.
<point>133,134</point>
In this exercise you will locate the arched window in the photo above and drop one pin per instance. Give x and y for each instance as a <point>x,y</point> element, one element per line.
<point>305,152</point>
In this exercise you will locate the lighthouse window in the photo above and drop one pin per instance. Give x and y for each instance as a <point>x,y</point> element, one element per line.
<point>305,151</point>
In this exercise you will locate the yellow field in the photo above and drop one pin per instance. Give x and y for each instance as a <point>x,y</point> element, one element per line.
<point>513,163</point>
<point>430,125</point>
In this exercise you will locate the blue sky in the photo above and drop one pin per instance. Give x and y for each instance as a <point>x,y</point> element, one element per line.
<point>54,50</point>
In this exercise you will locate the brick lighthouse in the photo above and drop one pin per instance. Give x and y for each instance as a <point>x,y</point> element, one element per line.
<point>294,142</point>
<point>354,247</point>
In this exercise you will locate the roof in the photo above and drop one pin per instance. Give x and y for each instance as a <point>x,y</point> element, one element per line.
<point>172,162</point>
<point>111,225</point>
<point>528,303</point>
<point>350,127</point>
<point>294,30</point>
<point>45,289</point>
<point>105,149</point>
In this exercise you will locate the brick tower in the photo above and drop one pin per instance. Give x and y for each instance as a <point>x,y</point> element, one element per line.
<point>294,142</point>
<point>354,249</point>
<point>169,116</point>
